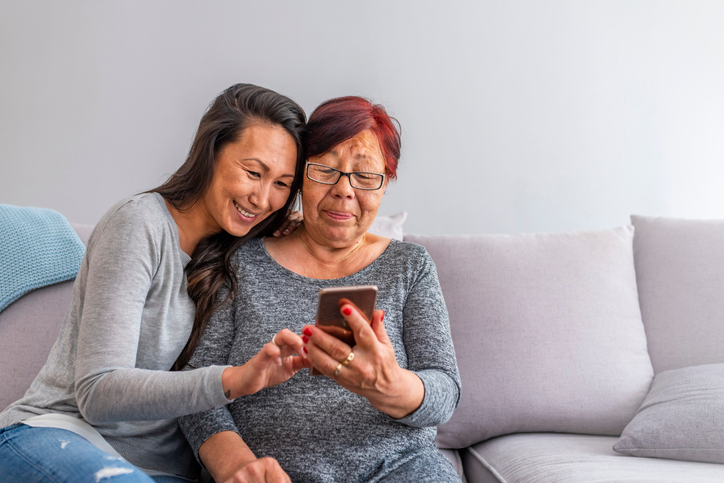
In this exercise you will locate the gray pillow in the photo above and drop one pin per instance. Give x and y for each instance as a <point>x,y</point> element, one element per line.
<point>682,417</point>
<point>547,332</point>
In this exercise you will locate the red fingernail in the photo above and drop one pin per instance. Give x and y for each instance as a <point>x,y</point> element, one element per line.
<point>304,349</point>
<point>383,316</point>
<point>305,339</point>
<point>307,331</point>
<point>346,311</point>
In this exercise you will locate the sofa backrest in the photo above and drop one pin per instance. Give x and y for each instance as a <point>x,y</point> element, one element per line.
<point>680,274</point>
<point>28,328</point>
<point>547,331</point>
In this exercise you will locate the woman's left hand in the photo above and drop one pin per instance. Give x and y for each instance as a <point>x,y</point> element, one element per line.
<point>373,371</point>
<point>292,222</point>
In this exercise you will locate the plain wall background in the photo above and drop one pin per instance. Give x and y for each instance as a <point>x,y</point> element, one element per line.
<point>517,116</point>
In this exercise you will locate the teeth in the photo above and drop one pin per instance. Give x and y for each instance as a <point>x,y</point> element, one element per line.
<point>245,213</point>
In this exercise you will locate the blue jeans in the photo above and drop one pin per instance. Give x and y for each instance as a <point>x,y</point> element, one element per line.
<point>30,455</point>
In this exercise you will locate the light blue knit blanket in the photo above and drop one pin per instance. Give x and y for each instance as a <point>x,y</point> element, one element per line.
<point>38,247</point>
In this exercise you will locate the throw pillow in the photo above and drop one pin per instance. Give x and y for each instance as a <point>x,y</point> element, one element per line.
<point>389,226</point>
<point>38,247</point>
<point>682,417</point>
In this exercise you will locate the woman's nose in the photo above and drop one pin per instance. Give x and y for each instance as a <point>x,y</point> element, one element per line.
<point>343,188</point>
<point>260,195</point>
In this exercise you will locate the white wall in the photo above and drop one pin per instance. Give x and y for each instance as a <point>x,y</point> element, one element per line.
<point>517,115</point>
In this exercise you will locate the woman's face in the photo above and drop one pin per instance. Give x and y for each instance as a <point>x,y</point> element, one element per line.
<point>339,214</point>
<point>252,179</point>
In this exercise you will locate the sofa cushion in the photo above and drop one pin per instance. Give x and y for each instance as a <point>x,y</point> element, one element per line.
<point>681,418</point>
<point>28,328</point>
<point>547,332</point>
<point>680,273</point>
<point>574,458</point>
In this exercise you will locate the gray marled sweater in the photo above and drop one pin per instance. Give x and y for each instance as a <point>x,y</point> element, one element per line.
<point>317,430</point>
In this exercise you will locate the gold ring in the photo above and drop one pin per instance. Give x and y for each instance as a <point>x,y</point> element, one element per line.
<point>336,370</point>
<point>348,359</point>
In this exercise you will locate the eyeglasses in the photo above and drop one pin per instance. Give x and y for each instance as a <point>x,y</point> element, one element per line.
<point>360,180</point>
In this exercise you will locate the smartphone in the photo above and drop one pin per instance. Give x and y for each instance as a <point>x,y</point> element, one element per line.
<point>329,317</point>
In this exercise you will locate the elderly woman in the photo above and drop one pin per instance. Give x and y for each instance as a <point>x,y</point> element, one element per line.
<point>373,417</point>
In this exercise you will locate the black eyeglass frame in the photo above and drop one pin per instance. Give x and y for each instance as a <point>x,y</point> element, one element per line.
<point>348,175</point>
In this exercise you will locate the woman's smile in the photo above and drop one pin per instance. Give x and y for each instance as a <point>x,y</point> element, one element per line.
<point>246,216</point>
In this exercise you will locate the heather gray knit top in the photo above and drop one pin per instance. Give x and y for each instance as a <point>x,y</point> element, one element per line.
<point>129,319</point>
<point>317,430</point>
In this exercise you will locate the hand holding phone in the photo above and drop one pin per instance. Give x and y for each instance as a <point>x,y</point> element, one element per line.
<point>329,318</point>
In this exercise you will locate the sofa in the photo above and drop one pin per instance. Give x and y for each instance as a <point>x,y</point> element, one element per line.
<point>569,345</point>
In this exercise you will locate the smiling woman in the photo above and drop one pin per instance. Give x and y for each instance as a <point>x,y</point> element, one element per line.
<point>373,417</point>
<point>105,403</point>
<point>352,149</point>
<point>252,179</point>
<point>239,161</point>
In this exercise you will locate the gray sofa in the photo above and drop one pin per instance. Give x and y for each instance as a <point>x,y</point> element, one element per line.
<point>568,344</point>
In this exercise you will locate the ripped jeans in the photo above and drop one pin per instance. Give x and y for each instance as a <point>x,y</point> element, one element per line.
<point>30,455</point>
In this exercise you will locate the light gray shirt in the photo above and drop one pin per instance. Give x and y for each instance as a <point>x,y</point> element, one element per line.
<point>128,321</point>
<point>316,429</point>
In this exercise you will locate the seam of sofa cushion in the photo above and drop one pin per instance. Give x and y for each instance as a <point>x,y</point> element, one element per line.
<point>487,465</point>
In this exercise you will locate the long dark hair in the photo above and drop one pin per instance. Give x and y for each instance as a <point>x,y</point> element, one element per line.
<point>209,270</point>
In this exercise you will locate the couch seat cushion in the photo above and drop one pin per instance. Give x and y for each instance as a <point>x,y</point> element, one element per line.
<point>572,458</point>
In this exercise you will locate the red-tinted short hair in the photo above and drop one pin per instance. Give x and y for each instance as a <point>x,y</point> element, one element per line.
<point>340,119</point>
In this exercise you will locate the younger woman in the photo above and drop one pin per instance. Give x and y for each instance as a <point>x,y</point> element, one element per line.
<point>105,404</point>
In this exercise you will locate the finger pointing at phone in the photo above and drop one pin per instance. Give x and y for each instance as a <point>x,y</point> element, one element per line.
<point>372,371</point>
<point>272,365</point>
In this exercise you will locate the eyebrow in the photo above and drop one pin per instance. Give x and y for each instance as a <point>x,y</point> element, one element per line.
<point>266,168</point>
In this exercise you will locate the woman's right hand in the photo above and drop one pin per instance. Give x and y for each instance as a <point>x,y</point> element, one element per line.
<point>292,222</point>
<point>370,368</point>
<point>272,365</point>
<point>262,470</point>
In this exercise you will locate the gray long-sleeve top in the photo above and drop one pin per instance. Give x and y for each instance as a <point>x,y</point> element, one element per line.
<point>317,430</point>
<point>129,318</point>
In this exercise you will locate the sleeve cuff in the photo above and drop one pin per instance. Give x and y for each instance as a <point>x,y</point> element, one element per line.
<point>199,427</point>
<point>441,398</point>
<point>215,387</point>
